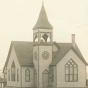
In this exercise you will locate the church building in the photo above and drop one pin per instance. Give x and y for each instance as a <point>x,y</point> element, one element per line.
<point>44,63</point>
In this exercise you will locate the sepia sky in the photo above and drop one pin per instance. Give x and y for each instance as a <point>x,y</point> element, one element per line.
<point>18,17</point>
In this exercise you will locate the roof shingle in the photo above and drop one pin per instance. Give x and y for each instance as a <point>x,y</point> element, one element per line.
<point>42,21</point>
<point>24,52</point>
<point>64,48</point>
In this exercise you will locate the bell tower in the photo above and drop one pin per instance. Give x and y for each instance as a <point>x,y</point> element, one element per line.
<point>42,48</point>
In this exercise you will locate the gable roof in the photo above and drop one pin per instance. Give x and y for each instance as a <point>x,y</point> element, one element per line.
<point>23,51</point>
<point>42,21</point>
<point>64,48</point>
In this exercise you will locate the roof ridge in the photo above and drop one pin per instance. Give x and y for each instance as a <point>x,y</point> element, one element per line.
<point>79,54</point>
<point>63,51</point>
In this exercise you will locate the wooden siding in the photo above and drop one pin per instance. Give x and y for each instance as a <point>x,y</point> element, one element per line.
<point>35,49</point>
<point>61,71</point>
<point>54,83</point>
<point>11,58</point>
<point>31,83</point>
<point>44,64</point>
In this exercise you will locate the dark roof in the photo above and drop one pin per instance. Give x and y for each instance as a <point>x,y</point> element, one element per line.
<point>42,21</point>
<point>23,51</point>
<point>64,48</point>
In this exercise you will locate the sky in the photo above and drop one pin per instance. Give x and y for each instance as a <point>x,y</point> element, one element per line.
<point>18,17</point>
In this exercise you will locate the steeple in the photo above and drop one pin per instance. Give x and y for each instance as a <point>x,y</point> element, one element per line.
<point>42,21</point>
<point>42,48</point>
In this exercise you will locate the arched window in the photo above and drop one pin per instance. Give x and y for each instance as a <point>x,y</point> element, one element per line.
<point>9,75</point>
<point>71,71</point>
<point>17,74</point>
<point>27,75</point>
<point>13,71</point>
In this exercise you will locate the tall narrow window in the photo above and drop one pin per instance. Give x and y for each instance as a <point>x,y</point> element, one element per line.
<point>35,38</point>
<point>35,78</point>
<point>27,75</point>
<point>17,74</point>
<point>52,75</point>
<point>13,71</point>
<point>71,71</point>
<point>8,75</point>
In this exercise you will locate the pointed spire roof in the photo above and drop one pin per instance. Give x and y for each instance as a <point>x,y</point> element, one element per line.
<point>42,21</point>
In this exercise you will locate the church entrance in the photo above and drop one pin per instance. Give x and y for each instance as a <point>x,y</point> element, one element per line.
<point>45,79</point>
<point>35,78</point>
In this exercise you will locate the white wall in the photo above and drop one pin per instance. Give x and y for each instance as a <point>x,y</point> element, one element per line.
<point>5,72</point>
<point>54,84</point>
<point>35,49</point>
<point>31,83</point>
<point>12,58</point>
<point>61,71</point>
<point>5,75</point>
<point>44,64</point>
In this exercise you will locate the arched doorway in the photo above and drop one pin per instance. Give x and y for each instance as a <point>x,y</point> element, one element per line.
<point>45,78</point>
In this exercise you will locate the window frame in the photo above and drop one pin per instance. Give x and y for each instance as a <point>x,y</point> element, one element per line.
<point>13,73</point>
<point>34,38</point>
<point>71,74</point>
<point>17,75</point>
<point>52,75</point>
<point>9,75</point>
<point>46,42</point>
<point>27,75</point>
